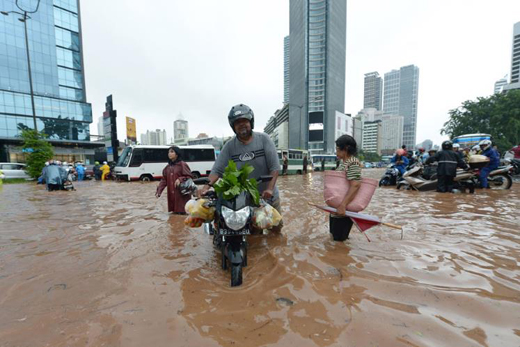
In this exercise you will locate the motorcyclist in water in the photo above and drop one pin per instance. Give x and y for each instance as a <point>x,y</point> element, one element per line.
<point>494,161</point>
<point>400,160</point>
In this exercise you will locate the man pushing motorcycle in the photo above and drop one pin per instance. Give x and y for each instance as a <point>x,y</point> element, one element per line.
<point>254,148</point>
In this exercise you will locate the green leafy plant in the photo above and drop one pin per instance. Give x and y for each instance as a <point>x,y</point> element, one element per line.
<point>40,151</point>
<point>235,181</point>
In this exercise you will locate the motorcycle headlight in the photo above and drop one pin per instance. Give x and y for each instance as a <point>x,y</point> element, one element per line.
<point>235,220</point>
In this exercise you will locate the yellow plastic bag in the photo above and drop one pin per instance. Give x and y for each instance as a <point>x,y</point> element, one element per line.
<point>199,209</point>
<point>266,217</point>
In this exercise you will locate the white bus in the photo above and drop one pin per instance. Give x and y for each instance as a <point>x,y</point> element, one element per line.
<point>470,140</point>
<point>327,161</point>
<point>146,163</point>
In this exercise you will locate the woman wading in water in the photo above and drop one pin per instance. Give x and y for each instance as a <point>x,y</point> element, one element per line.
<point>176,172</point>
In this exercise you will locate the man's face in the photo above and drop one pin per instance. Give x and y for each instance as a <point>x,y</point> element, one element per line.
<point>243,128</point>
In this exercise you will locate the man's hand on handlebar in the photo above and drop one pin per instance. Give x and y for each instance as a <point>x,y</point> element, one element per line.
<point>267,194</point>
<point>203,191</point>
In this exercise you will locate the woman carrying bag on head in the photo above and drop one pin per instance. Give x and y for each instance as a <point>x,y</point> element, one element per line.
<point>175,173</point>
<point>346,150</point>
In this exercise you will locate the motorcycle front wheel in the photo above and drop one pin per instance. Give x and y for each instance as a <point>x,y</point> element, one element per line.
<point>500,182</point>
<point>236,274</point>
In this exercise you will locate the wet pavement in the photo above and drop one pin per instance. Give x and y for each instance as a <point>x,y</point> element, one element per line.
<point>107,266</point>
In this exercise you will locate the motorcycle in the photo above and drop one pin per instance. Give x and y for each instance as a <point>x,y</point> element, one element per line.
<point>390,177</point>
<point>498,179</point>
<point>416,180</point>
<point>232,224</point>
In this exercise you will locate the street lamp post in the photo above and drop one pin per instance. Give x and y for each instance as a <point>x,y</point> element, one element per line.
<point>25,15</point>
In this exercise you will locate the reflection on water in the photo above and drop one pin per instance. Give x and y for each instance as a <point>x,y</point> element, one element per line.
<point>106,265</point>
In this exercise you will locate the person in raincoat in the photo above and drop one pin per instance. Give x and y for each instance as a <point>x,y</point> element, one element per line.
<point>2,176</point>
<point>55,176</point>
<point>400,160</point>
<point>97,171</point>
<point>80,169</point>
<point>175,173</point>
<point>105,169</point>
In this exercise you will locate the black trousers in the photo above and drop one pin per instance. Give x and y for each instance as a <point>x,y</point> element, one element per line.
<point>340,227</point>
<point>445,183</point>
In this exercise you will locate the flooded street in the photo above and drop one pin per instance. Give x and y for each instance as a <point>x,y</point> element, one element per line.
<point>106,265</point>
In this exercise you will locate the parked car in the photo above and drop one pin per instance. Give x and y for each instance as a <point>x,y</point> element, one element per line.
<point>14,170</point>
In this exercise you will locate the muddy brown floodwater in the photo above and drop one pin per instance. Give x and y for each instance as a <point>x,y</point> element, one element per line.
<point>107,266</point>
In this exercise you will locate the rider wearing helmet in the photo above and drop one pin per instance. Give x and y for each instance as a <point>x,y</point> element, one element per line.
<point>254,148</point>
<point>456,149</point>
<point>400,160</point>
<point>494,161</point>
<point>447,169</point>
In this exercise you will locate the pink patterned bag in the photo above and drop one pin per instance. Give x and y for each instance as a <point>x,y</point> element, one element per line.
<point>337,186</point>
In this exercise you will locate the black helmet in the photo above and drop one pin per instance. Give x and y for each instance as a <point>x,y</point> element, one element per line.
<point>241,111</point>
<point>447,145</point>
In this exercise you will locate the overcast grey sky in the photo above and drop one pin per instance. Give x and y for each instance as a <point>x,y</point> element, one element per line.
<point>165,57</point>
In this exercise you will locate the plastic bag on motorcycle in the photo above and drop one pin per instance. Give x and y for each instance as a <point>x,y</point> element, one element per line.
<point>266,216</point>
<point>198,212</point>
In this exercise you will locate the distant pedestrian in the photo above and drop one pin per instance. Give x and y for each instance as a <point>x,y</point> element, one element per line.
<point>97,171</point>
<point>447,169</point>
<point>105,169</point>
<point>305,164</point>
<point>285,164</point>
<point>175,173</point>
<point>80,169</point>
<point>323,164</point>
<point>2,176</point>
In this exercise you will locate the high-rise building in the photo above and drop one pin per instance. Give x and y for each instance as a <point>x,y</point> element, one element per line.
<point>180,130</point>
<point>277,127</point>
<point>286,67</point>
<point>317,72</point>
<point>154,138</point>
<point>373,96</point>
<point>515,60</point>
<point>372,137</point>
<point>391,133</point>
<point>100,126</point>
<point>401,94</point>
<point>58,78</point>
<point>499,85</point>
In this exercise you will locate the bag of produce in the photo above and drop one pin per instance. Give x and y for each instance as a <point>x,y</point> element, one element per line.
<point>200,209</point>
<point>266,216</point>
<point>193,222</point>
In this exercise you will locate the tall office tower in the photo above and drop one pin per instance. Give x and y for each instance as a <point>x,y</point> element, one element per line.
<point>286,60</point>
<point>515,60</point>
<point>100,126</point>
<point>400,98</point>
<point>180,129</point>
<point>317,72</point>
<point>499,85</point>
<point>373,96</point>
<point>56,70</point>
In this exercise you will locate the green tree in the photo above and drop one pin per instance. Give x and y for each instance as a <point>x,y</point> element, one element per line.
<point>39,151</point>
<point>368,156</point>
<point>498,115</point>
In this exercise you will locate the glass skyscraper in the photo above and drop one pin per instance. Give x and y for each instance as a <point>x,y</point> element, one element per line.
<point>55,46</point>
<point>400,98</point>
<point>317,72</point>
